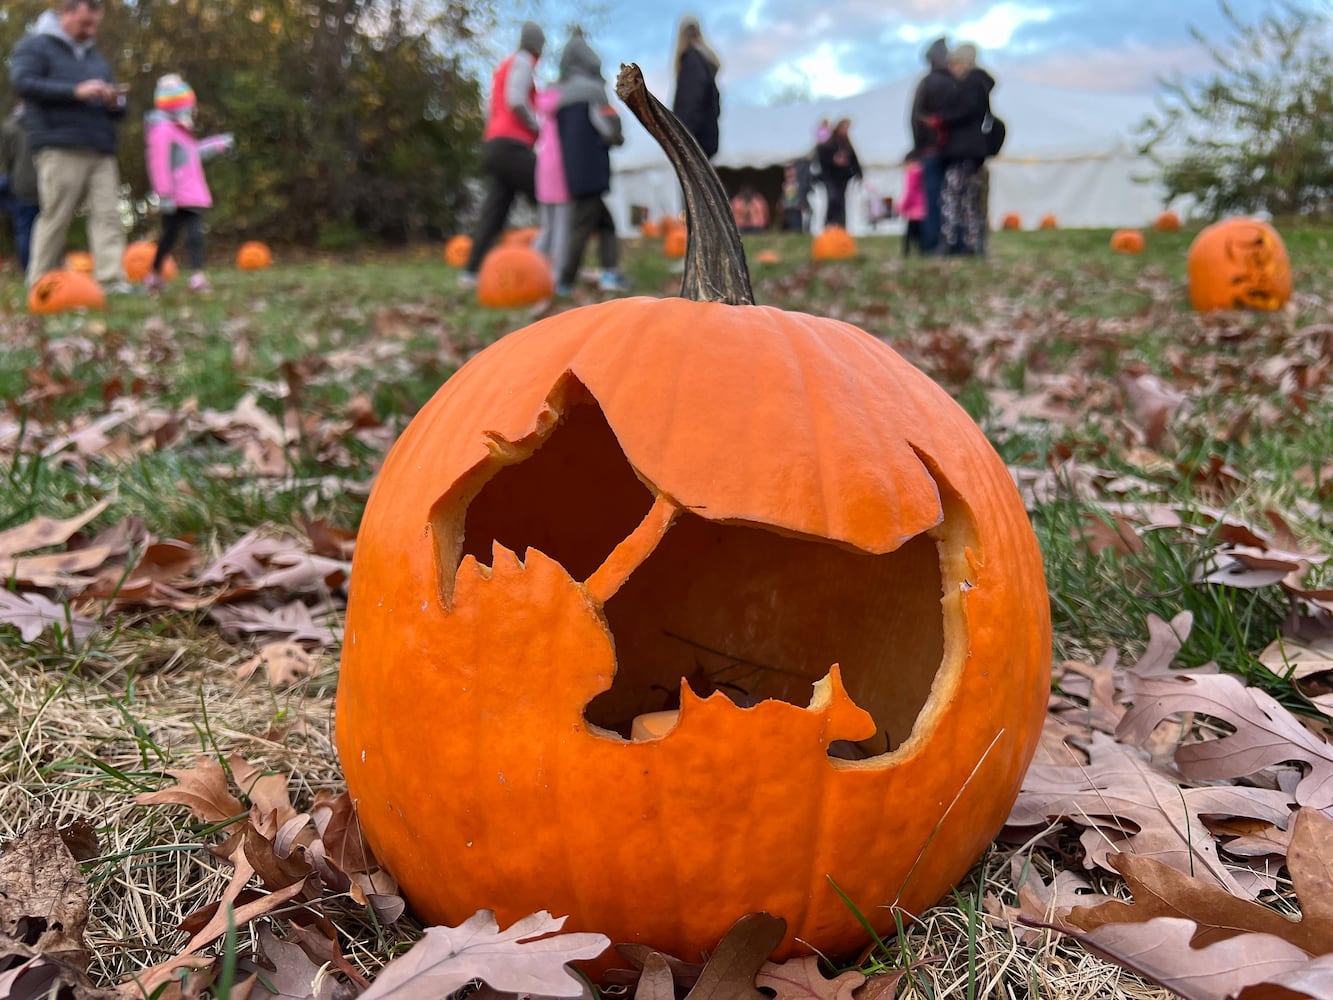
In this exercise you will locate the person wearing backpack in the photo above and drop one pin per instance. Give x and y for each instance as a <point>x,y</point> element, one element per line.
<point>964,197</point>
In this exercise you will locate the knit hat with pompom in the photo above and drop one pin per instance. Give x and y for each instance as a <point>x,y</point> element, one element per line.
<point>173,95</point>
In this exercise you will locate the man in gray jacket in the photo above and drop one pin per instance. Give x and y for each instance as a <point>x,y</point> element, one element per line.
<point>73,110</point>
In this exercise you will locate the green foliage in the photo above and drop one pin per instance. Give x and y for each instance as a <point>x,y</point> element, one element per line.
<point>1256,134</point>
<point>350,115</point>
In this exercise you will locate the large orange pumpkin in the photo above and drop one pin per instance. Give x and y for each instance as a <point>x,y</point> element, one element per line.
<point>457,250</point>
<point>767,526</point>
<point>254,256</point>
<point>675,241</point>
<point>58,291</point>
<point>1012,221</point>
<point>1127,241</point>
<point>834,243</point>
<point>514,275</point>
<point>1167,222</point>
<point>138,262</point>
<point>1238,264</point>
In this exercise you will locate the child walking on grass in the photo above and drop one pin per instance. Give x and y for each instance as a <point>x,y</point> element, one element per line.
<point>176,172</point>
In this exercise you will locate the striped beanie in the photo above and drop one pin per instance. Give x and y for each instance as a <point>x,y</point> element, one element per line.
<point>173,95</point>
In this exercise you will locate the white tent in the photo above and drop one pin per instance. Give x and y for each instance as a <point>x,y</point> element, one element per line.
<point>1068,153</point>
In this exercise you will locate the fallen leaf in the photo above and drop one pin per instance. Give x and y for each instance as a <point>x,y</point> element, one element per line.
<point>43,897</point>
<point>528,957</point>
<point>293,622</point>
<point>293,976</point>
<point>285,662</point>
<point>42,532</point>
<point>730,971</point>
<point>202,789</point>
<point>32,614</point>
<point>800,979</point>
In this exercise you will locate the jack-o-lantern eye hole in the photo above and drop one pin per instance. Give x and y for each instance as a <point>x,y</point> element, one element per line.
<point>731,607</point>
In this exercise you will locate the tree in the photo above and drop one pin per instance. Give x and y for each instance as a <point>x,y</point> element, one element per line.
<point>1257,132</point>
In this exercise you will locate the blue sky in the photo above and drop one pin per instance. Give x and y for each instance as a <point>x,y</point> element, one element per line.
<point>840,47</point>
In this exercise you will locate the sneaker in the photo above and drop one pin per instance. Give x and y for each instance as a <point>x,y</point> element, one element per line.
<point>120,287</point>
<point>153,284</point>
<point>563,291</point>
<point>199,282</point>
<point>467,279</point>
<point>612,281</point>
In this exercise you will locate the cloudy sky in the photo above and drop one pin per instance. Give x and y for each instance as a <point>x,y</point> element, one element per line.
<point>835,48</point>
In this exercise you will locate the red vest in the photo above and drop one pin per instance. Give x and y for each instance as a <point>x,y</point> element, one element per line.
<point>502,123</point>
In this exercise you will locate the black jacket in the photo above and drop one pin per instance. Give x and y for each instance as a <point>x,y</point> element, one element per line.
<point>935,91</point>
<point>16,159</point>
<point>698,104</point>
<point>833,173</point>
<point>963,116</point>
<point>45,69</point>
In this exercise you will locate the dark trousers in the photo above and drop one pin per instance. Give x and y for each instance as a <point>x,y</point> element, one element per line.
<point>912,237</point>
<point>510,167</point>
<point>590,216</point>
<point>192,221</point>
<point>24,216</point>
<point>836,214</point>
<point>932,183</point>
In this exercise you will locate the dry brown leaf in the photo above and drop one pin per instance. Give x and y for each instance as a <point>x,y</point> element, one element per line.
<point>800,979</point>
<point>292,622</point>
<point>43,532</point>
<point>655,979</point>
<point>527,957</point>
<point>285,663</point>
<point>731,970</point>
<point>293,976</point>
<point>202,789</point>
<point>32,614</point>
<point>43,897</point>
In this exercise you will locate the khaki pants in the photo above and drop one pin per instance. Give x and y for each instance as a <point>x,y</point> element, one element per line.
<point>64,178</point>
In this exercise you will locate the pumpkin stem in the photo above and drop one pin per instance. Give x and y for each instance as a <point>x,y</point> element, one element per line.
<point>715,268</point>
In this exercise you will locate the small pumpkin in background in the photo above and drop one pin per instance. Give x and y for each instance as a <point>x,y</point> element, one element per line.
<point>79,260</point>
<point>60,291</point>
<point>524,237</point>
<point>457,250</point>
<point>650,229</point>
<point>834,243</point>
<point>1011,221</point>
<point>1048,222</point>
<point>514,275</point>
<point>1238,264</point>
<point>675,241</point>
<point>609,523</point>
<point>138,262</point>
<point>1127,241</point>
<point>1167,222</point>
<point>254,256</point>
<point>768,257</point>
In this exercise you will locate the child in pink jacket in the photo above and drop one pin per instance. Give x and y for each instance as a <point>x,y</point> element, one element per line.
<point>554,206</point>
<point>176,172</point>
<point>914,203</point>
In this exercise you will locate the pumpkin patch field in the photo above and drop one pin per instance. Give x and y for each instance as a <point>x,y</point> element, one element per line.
<point>968,623</point>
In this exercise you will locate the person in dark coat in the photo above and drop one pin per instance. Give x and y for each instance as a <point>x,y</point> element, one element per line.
<point>588,127</point>
<point>838,166</point>
<point>964,194</point>
<point>697,103</point>
<point>933,94</point>
<point>16,164</point>
<point>72,110</point>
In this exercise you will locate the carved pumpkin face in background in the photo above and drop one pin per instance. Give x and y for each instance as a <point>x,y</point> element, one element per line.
<point>514,274</point>
<point>58,291</point>
<point>1239,264</point>
<point>666,611</point>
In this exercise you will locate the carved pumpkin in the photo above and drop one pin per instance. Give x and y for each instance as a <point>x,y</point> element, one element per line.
<point>58,291</point>
<point>1238,264</point>
<point>514,275</point>
<point>138,262</point>
<point>834,243</point>
<point>79,260</point>
<point>1012,221</point>
<point>1127,241</point>
<point>457,250</point>
<point>1048,222</point>
<point>254,256</point>
<point>613,529</point>
<point>675,241</point>
<point>1167,222</point>
<point>524,237</point>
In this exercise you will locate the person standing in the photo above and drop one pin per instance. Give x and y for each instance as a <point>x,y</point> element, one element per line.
<point>72,108</point>
<point>555,210</point>
<point>697,103</point>
<point>16,163</point>
<point>507,156</point>
<point>176,171</point>
<point>589,127</point>
<point>913,203</point>
<point>933,93</point>
<point>964,194</point>
<point>838,166</point>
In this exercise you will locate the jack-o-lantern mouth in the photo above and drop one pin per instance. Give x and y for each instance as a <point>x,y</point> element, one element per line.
<point>725,606</point>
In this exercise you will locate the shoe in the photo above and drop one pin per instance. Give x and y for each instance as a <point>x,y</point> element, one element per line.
<point>153,284</point>
<point>199,282</point>
<point>121,287</point>
<point>612,281</point>
<point>467,279</point>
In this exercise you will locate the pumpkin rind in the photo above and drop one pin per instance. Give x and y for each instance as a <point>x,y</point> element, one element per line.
<point>514,275</point>
<point>1238,264</point>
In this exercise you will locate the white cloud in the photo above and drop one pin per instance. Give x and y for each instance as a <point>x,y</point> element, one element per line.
<point>996,26</point>
<point>1132,68</point>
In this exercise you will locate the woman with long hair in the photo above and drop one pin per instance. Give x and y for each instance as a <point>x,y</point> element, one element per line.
<point>697,102</point>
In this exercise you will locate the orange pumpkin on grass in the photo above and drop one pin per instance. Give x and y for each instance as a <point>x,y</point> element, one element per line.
<point>60,291</point>
<point>650,230</point>
<point>693,601</point>
<point>79,260</point>
<point>254,256</point>
<point>675,241</point>
<point>1048,222</point>
<point>1011,221</point>
<point>457,250</point>
<point>1238,264</point>
<point>1127,241</point>
<point>514,275</point>
<point>834,243</point>
<point>138,262</point>
<point>1167,222</point>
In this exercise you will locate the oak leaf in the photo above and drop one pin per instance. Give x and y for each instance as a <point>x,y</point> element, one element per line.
<point>202,789</point>
<point>285,664</point>
<point>800,979</point>
<point>32,614</point>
